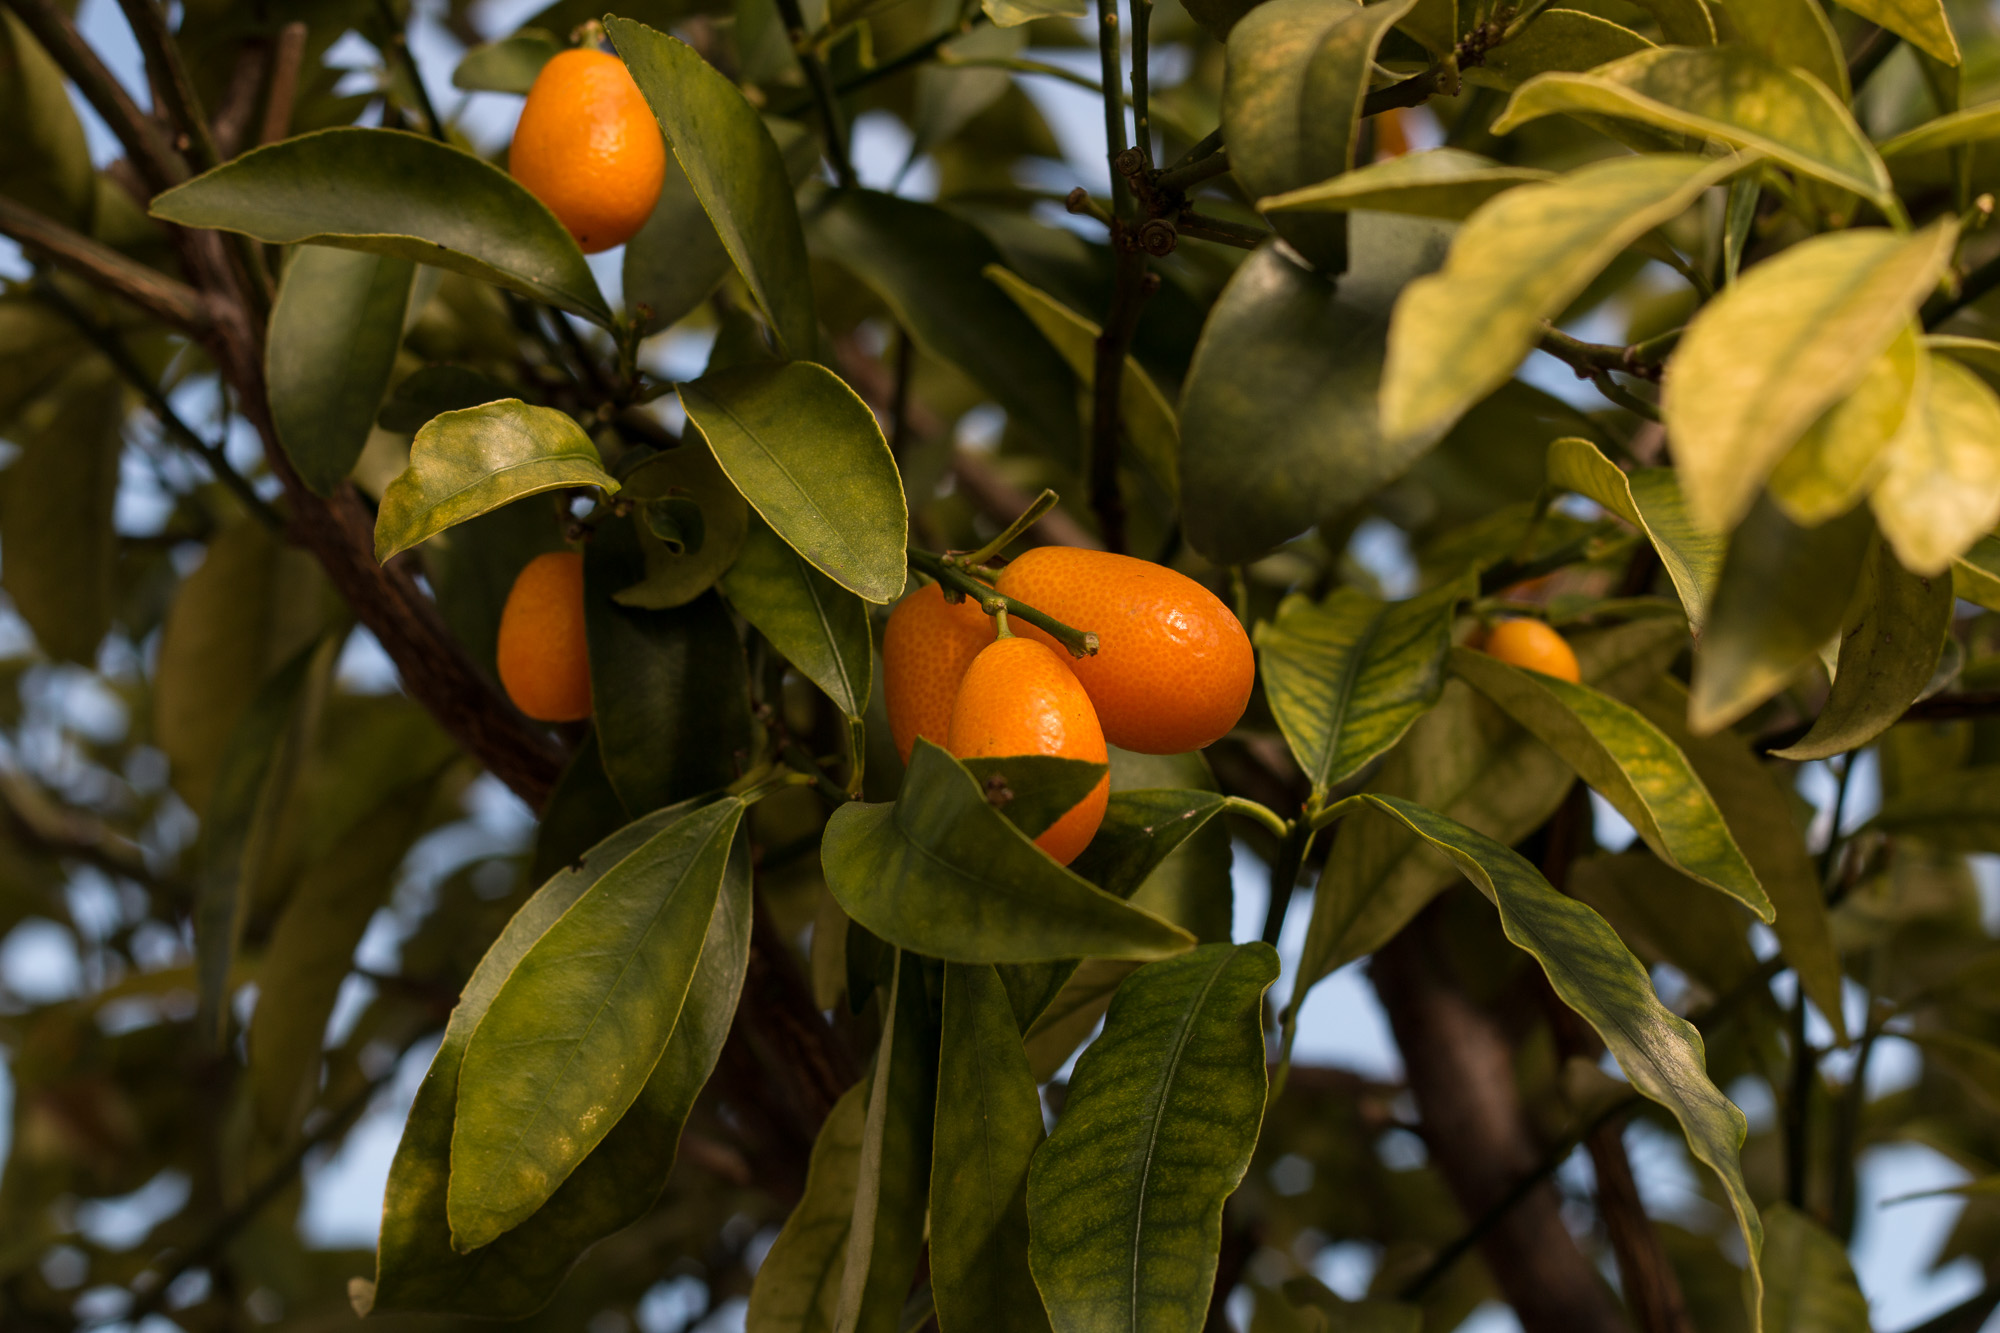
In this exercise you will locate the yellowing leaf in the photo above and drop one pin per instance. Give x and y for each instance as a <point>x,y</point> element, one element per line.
<point>1793,32</point>
<point>1967,126</point>
<point>1763,360</point>
<point>1839,457</point>
<point>1726,93</point>
<point>1922,23</point>
<point>1941,490</point>
<point>1650,500</point>
<point>1440,183</point>
<point>1457,334</point>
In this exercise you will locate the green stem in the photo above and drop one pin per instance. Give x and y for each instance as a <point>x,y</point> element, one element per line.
<point>1183,178</point>
<point>1208,144</point>
<point>1285,867</point>
<point>1142,129</point>
<point>1278,826</point>
<point>1080,643</point>
<point>1027,518</point>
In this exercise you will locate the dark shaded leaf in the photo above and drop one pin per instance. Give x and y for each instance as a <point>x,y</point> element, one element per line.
<point>334,333</point>
<point>819,626</point>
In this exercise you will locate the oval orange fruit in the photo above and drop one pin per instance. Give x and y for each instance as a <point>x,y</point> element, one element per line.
<point>926,648</point>
<point>543,659</point>
<point>1020,697</point>
<point>587,146</point>
<point>1532,644</point>
<point>1173,668</point>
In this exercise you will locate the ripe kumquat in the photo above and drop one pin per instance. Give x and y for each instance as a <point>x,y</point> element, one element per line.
<point>1532,644</point>
<point>543,659</point>
<point>587,146</point>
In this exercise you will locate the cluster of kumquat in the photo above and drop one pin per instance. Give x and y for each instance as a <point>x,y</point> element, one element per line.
<point>1172,672</point>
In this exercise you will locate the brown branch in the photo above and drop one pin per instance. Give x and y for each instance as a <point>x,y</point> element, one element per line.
<point>239,97</point>
<point>144,142</point>
<point>285,64</point>
<point>166,299</point>
<point>170,77</point>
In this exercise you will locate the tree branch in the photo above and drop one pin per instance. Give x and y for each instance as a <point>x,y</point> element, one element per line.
<point>163,57</point>
<point>166,299</point>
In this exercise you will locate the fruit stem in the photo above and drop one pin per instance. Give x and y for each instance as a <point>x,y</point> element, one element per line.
<point>1261,813</point>
<point>1028,517</point>
<point>1081,643</point>
<point>1001,630</point>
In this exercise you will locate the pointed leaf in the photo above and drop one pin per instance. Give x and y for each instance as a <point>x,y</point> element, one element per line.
<point>1762,361</point>
<point>819,626</point>
<point>1923,23</point>
<point>1125,1198</point>
<point>798,1285</point>
<point>989,1123</point>
<point>1727,93</point>
<point>808,455</point>
<point>334,333</point>
<point>1940,489</point>
<point>1034,790</point>
<point>1888,652</point>
<point>1809,1286</point>
<point>1597,976</point>
<point>1142,827</point>
<point>736,170</point>
<point>45,158</point>
<point>1347,676</point>
<point>1650,500</point>
<point>1458,334</point>
<point>941,872</point>
<point>464,464</point>
<point>576,1029</point>
<point>1975,576</point>
<point>390,192</point>
<point>1445,183</point>
<point>1843,454</point>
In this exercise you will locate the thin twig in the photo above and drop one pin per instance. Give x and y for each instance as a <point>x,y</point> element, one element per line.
<point>825,98</point>
<point>166,299</point>
<point>287,59</point>
<point>1181,179</point>
<point>154,158</point>
<point>163,57</point>
<point>399,49</point>
<point>1142,125</point>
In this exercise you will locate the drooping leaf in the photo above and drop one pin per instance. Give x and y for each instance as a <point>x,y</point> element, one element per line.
<point>929,268</point>
<point>1447,183</point>
<point>1640,772</point>
<point>1149,419</point>
<point>1650,500</point>
<point>941,872</point>
<point>1125,1198</point>
<point>468,463</point>
<point>417,1268</point>
<point>676,261</point>
<point>798,1285</point>
<point>1458,334</point>
<point>1347,676</point>
<point>736,170</point>
<point>1809,1285</point>
<point>1783,594</point>
<point>686,488</point>
<point>989,1123</point>
<point>892,1174</point>
<point>1597,976</point>
<point>1558,41</point>
<point>45,160</point>
<point>1888,651</point>
<point>1291,101</point>
<point>1291,360</point>
<point>1923,23</point>
<point>1767,357</point>
<point>819,626</point>
<point>574,1032</point>
<point>808,455</point>
<point>508,65</point>
<point>1727,93</point>
<point>1940,486</point>
<point>1843,453</point>
<point>391,192</point>
<point>334,333</point>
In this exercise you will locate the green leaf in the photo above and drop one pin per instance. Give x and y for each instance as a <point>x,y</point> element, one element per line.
<point>430,391</point>
<point>1975,576</point>
<point>1940,487</point>
<point>736,170</point>
<point>1566,41</point>
<point>670,690</point>
<point>676,261</point>
<point>798,1285</point>
<point>686,475</point>
<point>1347,676</point>
<point>1974,1063</point>
<point>1758,803</point>
<point>1973,125</point>
<point>1783,595</point>
<point>1650,500</point>
<point>1596,975</point>
<point>45,159</point>
<point>332,345</point>
<point>1013,13</point>
<point>941,872</point>
<point>808,455</point>
<point>1125,1198</point>
<point>1296,75</point>
<point>1655,910</point>
<point>1767,357</point>
<point>581,812</point>
<point>1682,22</point>
<point>1794,33</point>
<point>820,627</point>
<point>1072,1014</point>
<point>1726,93</point>
<point>508,65</point>
<point>989,1123</point>
<point>1148,418</point>
<point>1034,790</point>
<point>1447,183</point>
<point>929,268</point>
<point>58,548</point>
<point>390,192</point>
<point>1640,772</point>
<point>1843,453</point>
<point>1458,334</point>
<point>1888,651</point>
<point>1954,811</point>
<point>1291,360</point>
<point>573,1034</point>
<point>892,1174</point>
<point>1809,1286</point>
<point>1141,829</point>
<point>417,1268</point>
<point>468,463</point>
<point>1923,23</point>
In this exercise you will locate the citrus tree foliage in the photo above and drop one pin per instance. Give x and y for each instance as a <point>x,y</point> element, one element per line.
<point>757,1013</point>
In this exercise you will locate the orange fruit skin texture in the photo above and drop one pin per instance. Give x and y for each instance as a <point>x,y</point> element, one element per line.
<point>1531,644</point>
<point>926,648</point>
<point>1019,697</point>
<point>587,146</point>
<point>1173,668</point>
<point>543,658</point>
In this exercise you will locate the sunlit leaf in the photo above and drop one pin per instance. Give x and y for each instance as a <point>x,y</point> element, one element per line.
<point>1975,576</point>
<point>1567,41</point>
<point>1843,453</point>
<point>1793,32</point>
<point>1940,487</point>
<point>1923,23</point>
<point>1439,183</point>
